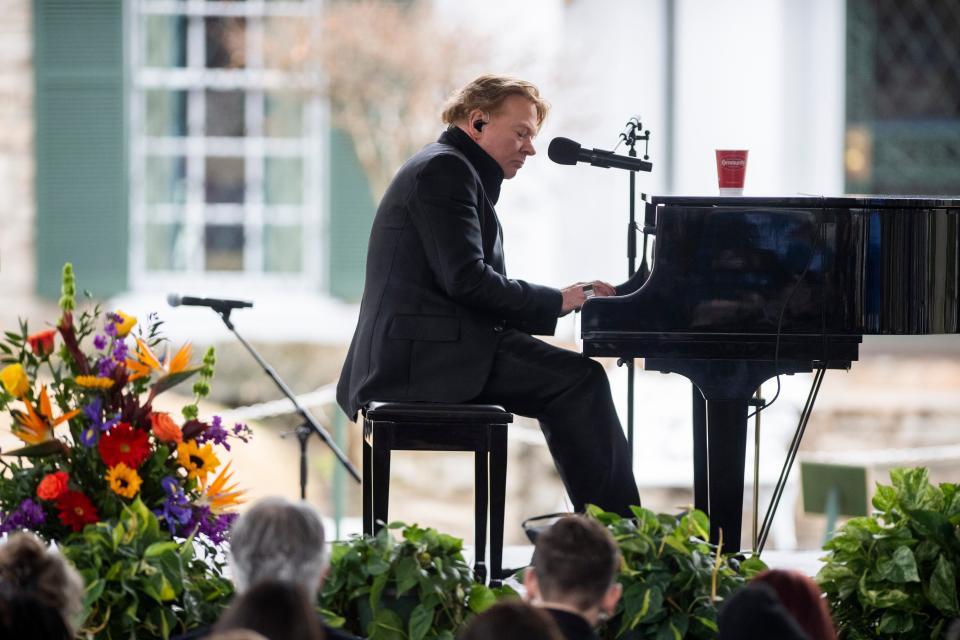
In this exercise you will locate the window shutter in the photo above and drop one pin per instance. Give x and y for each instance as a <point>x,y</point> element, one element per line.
<point>351,215</point>
<point>81,152</point>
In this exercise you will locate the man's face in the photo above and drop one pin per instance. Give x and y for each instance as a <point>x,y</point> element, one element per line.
<point>508,135</point>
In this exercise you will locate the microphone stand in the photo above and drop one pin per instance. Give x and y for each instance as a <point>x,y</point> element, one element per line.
<point>309,425</point>
<point>630,137</point>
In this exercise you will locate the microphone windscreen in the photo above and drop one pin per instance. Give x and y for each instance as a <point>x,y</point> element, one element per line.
<point>173,299</point>
<point>563,151</point>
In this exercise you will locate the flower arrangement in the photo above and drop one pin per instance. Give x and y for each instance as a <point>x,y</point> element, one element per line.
<point>114,458</point>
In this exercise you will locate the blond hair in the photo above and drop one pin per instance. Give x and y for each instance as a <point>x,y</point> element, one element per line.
<point>487,94</point>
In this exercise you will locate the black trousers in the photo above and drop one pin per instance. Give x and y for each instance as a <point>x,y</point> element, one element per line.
<point>569,395</point>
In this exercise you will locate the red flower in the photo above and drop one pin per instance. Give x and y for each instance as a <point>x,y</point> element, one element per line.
<point>41,343</point>
<point>76,510</point>
<point>53,485</point>
<point>124,444</point>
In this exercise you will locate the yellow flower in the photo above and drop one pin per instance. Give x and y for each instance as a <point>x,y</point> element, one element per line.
<point>37,425</point>
<point>123,480</point>
<point>125,325</point>
<point>147,361</point>
<point>220,497</point>
<point>93,382</point>
<point>14,380</point>
<point>198,461</point>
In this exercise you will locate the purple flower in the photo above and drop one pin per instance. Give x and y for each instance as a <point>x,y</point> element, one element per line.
<point>214,527</point>
<point>28,515</point>
<point>242,431</point>
<point>176,508</point>
<point>100,342</point>
<point>120,351</point>
<point>94,413</point>
<point>215,433</point>
<point>105,368</point>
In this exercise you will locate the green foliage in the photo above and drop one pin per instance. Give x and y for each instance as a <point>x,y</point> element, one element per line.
<point>673,580</point>
<point>409,589</point>
<point>140,583</point>
<point>894,574</point>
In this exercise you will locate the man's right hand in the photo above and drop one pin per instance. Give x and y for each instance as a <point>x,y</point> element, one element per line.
<point>574,296</point>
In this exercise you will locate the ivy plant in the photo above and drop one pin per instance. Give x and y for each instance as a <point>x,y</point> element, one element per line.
<point>413,588</point>
<point>673,578</point>
<point>142,584</point>
<point>893,574</point>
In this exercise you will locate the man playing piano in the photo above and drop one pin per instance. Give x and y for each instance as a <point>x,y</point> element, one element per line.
<point>440,321</point>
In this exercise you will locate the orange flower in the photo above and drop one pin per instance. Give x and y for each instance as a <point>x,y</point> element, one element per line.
<point>41,343</point>
<point>164,428</point>
<point>53,485</point>
<point>37,425</point>
<point>93,382</point>
<point>220,497</point>
<point>147,361</point>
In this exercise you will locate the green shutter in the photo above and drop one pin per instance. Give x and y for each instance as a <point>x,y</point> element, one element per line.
<point>351,214</point>
<point>81,150</point>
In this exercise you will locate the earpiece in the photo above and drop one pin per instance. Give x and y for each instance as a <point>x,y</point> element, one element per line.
<point>478,125</point>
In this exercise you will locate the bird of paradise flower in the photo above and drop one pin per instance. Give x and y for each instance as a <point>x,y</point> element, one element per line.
<point>173,370</point>
<point>218,495</point>
<point>37,424</point>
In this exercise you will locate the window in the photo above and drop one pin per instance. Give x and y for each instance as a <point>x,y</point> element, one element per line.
<point>226,152</point>
<point>903,96</point>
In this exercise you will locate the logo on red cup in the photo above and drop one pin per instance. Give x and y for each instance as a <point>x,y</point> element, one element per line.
<point>731,168</point>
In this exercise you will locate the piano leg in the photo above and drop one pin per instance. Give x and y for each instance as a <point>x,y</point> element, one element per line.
<point>726,457</point>
<point>701,498</point>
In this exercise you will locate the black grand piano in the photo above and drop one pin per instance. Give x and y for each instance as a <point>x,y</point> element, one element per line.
<point>744,289</point>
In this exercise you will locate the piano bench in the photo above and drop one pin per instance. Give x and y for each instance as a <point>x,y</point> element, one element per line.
<point>426,426</point>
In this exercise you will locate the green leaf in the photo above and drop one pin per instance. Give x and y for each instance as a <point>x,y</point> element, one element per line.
<point>943,587</point>
<point>159,548</point>
<point>900,568</point>
<point>708,623</point>
<point>376,591</point>
<point>421,619</point>
<point>895,622</point>
<point>885,498</point>
<point>481,598</point>
<point>41,450</point>
<point>408,573</point>
<point>171,380</point>
<point>752,566</point>
<point>386,625</point>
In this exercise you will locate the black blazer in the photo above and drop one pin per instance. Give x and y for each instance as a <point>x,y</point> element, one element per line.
<point>436,296</point>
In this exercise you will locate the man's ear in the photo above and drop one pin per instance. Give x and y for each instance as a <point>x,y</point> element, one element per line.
<point>609,602</point>
<point>531,584</point>
<point>473,118</point>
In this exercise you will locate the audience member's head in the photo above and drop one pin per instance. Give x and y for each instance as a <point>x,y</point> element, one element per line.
<point>277,610</point>
<point>511,620</point>
<point>756,613</point>
<point>32,578</point>
<point>277,539</point>
<point>802,599</point>
<point>575,565</point>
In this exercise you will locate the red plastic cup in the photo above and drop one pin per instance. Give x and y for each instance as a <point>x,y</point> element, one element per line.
<point>731,171</point>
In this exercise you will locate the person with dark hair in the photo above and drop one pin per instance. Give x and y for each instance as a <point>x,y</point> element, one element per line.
<point>440,321</point>
<point>777,604</point>
<point>37,581</point>
<point>803,600</point>
<point>275,609</point>
<point>511,620</point>
<point>573,575</point>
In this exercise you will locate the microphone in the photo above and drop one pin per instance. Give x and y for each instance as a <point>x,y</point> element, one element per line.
<point>566,151</point>
<point>176,300</point>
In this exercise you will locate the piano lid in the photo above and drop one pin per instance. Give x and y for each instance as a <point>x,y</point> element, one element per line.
<point>854,201</point>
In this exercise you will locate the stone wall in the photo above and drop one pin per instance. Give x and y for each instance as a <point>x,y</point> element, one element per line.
<point>17,202</point>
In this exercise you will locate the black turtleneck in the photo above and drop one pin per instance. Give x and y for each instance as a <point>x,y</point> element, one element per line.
<point>491,175</point>
<point>573,626</point>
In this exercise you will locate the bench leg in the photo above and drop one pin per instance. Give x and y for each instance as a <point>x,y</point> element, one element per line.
<point>367,486</point>
<point>382,443</point>
<point>498,491</point>
<point>481,480</point>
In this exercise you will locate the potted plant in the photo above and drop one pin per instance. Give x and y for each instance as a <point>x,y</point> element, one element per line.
<point>673,578</point>
<point>128,492</point>
<point>408,589</point>
<point>893,574</point>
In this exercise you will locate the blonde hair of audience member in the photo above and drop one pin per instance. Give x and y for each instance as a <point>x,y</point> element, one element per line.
<point>29,566</point>
<point>511,620</point>
<point>278,539</point>
<point>574,568</point>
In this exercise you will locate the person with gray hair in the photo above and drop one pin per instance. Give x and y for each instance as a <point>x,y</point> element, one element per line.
<point>278,539</point>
